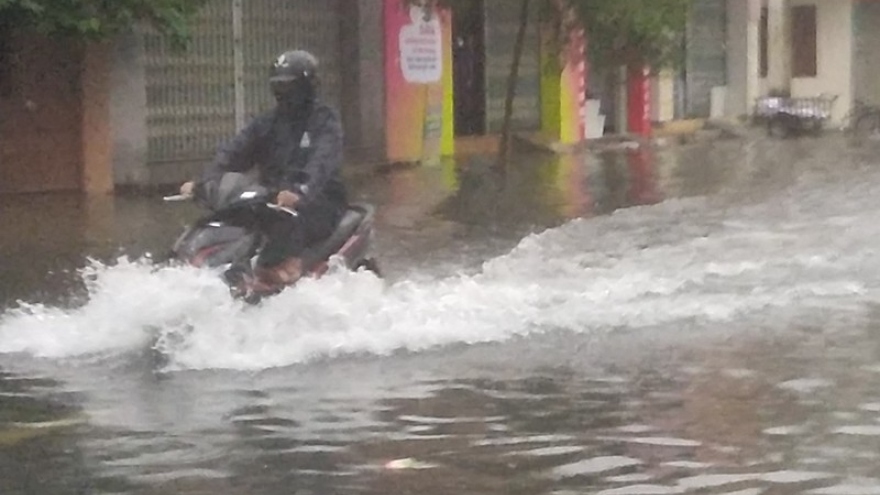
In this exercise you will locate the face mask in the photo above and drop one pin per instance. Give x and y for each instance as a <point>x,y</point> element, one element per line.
<point>291,96</point>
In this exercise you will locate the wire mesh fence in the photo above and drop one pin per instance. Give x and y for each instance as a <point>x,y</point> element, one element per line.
<point>198,97</point>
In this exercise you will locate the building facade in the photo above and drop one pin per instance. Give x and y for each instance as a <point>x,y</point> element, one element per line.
<point>163,111</point>
<point>77,116</point>
<point>136,111</point>
<point>802,48</point>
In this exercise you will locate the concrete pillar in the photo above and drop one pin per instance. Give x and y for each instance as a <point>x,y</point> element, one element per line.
<point>622,103</point>
<point>99,219</point>
<point>363,95</point>
<point>96,130</point>
<point>128,111</point>
<point>349,97</point>
<point>737,58</point>
<point>753,62</point>
<point>778,47</point>
<point>372,69</point>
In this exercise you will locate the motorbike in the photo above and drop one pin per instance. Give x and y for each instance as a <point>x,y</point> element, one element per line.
<point>229,237</point>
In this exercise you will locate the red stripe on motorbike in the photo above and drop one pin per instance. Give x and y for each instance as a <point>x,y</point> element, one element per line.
<point>202,255</point>
<point>320,269</point>
<point>349,244</point>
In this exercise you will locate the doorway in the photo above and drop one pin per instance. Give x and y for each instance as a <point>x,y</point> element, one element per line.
<point>469,68</point>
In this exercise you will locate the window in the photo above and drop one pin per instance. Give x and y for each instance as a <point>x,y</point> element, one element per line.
<point>803,41</point>
<point>763,40</point>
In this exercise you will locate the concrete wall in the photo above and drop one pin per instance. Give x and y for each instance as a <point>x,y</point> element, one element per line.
<point>834,57</point>
<point>56,102</point>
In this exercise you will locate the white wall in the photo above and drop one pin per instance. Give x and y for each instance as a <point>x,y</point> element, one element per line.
<point>834,55</point>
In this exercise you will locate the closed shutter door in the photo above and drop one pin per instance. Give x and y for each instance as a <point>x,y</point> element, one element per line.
<point>502,24</point>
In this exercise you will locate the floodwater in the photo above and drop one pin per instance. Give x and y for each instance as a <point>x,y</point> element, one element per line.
<point>704,319</point>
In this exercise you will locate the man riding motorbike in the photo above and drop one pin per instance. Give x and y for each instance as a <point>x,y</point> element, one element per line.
<point>296,149</point>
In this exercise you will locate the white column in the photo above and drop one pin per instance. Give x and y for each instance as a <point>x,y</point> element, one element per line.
<point>663,96</point>
<point>778,47</point>
<point>737,57</point>
<point>622,117</point>
<point>753,63</point>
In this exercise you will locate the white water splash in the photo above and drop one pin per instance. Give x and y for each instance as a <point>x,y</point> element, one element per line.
<point>126,301</point>
<point>678,261</point>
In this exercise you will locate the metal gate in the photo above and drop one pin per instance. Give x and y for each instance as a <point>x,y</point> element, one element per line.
<point>198,98</point>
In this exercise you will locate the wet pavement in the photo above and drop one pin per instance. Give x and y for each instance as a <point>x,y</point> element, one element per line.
<point>703,319</point>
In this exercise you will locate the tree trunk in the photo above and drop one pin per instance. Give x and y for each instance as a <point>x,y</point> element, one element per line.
<point>512,79</point>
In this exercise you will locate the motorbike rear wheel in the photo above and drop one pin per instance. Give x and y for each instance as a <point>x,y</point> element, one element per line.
<point>370,265</point>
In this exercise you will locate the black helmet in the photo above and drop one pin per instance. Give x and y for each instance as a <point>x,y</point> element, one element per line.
<point>293,77</point>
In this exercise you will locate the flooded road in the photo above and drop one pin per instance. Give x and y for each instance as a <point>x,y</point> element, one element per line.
<point>700,320</point>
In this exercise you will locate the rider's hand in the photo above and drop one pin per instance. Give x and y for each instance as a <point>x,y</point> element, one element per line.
<point>287,199</point>
<point>187,188</point>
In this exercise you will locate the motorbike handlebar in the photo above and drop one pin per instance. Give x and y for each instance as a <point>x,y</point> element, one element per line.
<point>178,197</point>
<point>272,206</point>
<point>283,209</point>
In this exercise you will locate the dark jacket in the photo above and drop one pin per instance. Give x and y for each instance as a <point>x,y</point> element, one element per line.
<point>289,153</point>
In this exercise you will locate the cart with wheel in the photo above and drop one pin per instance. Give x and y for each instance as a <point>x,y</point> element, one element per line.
<point>786,116</point>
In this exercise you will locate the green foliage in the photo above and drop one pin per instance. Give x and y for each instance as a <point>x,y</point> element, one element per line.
<point>634,31</point>
<point>619,31</point>
<point>96,19</point>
